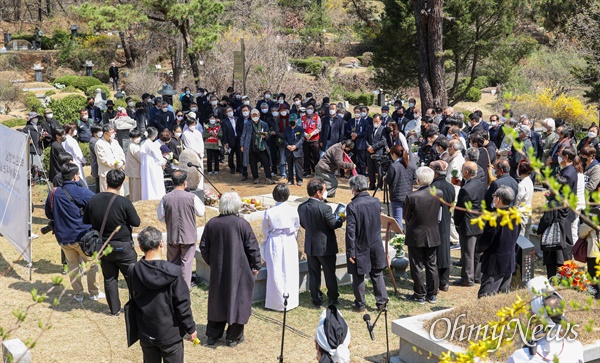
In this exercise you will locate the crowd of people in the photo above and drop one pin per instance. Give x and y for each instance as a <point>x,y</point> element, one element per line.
<point>471,165</point>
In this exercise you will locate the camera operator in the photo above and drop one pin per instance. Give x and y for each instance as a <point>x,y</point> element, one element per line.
<point>64,206</point>
<point>400,178</point>
<point>332,160</point>
<point>376,146</point>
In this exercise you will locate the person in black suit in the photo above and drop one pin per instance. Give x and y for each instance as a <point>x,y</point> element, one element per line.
<point>320,243</point>
<point>293,138</point>
<point>232,132</point>
<point>502,169</point>
<point>94,113</point>
<point>364,248</point>
<point>332,128</point>
<point>113,73</point>
<point>472,191</point>
<point>357,131</point>
<point>376,146</point>
<point>475,124</point>
<point>497,248</point>
<point>440,168</point>
<point>422,214</point>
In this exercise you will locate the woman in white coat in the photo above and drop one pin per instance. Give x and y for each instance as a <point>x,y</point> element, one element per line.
<point>280,228</point>
<point>152,165</point>
<point>72,147</point>
<point>132,165</point>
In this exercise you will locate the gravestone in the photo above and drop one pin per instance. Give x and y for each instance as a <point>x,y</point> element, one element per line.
<point>38,72</point>
<point>195,180</point>
<point>88,68</point>
<point>15,351</point>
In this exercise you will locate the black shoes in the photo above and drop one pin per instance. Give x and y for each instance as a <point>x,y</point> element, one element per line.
<point>416,299</point>
<point>358,308</point>
<point>463,283</point>
<point>431,299</point>
<point>211,341</point>
<point>444,288</point>
<point>234,343</point>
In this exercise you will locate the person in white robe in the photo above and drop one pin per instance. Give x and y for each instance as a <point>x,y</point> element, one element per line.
<point>110,155</point>
<point>72,147</point>
<point>280,228</point>
<point>151,168</point>
<point>193,140</point>
<point>132,165</point>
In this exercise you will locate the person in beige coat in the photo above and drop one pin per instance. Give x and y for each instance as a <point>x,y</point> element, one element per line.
<point>593,251</point>
<point>109,155</point>
<point>133,165</point>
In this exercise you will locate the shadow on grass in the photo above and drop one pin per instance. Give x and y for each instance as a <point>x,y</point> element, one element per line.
<point>44,266</point>
<point>4,265</point>
<point>380,358</point>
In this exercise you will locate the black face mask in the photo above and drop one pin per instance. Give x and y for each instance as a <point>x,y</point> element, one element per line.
<point>293,123</point>
<point>110,107</point>
<point>584,160</point>
<point>91,104</point>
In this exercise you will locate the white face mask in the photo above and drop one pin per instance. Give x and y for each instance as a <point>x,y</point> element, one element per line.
<point>275,113</point>
<point>376,126</point>
<point>332,112</point>
<point>280,102</point>
<point>297,103</point>
<point>84,118</point>
<point>187,92</point>
<point>212,121</point>
<point>192,128</point>
<point>592,135</point>
<point>411,105</point>
<point>230,114</point>
<point>245,113</point>
<point>283,113</point>
<point>165,109</point>
<point>34,120</point>
<point>131,104</point>
<point>325,195</point>
<point>137,140</point>
<point>357,115</point>
<point>255,118</point>
<point>214,103</point>
<point>193,109</point>
<point>246,103</point>
<point>310,111</point>
<point>363,114</point>
<point>385,114</point>
<point>113,136</point>
<point>560,159</point>
<point>179,118</point>
<point>267,96</point>
<point>494,123</point>
<point>99,134</point>
<point>264,110</point>
<point>49,115</point>
<point>74,133</point>
<point>178,135</point>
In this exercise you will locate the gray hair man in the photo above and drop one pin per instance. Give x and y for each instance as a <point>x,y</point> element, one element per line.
<point>364,248</point>
<point>178,209</point>
<point>422,213</point>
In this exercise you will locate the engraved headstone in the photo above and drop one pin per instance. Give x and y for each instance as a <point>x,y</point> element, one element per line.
<point>195,180</point>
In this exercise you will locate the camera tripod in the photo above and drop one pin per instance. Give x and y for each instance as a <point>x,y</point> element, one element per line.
<point>381,181</point>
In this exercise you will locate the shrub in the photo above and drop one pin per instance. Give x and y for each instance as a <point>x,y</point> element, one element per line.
<point>15,122</point>
<point>32,103</point>
<point>366,59</point>
<point>67,109</point>
<point>9,92</point>
<point>69,89</point>
<point>312,65</point>
<point>356,98</point>
<point>91,91</point>
<point>474,93</point>
<point>101,75</point>
<point>50,93</point>
<point>80,82</point>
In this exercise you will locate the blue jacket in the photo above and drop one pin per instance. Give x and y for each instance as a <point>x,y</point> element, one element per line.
<point>293,136</point>
<point>68,221</point>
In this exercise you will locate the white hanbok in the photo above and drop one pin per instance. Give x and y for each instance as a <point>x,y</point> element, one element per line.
<point>280,228</point>
<point>151,172</point>
<point>72,147</point>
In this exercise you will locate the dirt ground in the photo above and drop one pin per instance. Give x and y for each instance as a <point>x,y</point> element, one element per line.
<point>75,326</point>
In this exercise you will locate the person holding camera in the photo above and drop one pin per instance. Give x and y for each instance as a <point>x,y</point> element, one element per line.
<point>64,207</point>
<point>332,161</point>
<point>376,146</point>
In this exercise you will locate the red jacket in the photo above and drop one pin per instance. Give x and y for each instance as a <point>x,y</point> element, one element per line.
<point>311,125</point>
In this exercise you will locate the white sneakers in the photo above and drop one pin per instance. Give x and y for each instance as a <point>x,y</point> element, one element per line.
<point>100,295</point>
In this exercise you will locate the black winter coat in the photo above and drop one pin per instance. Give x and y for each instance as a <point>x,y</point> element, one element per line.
<point>400,180</point>
<point>319,225</point>
<point>421,211</point>
<point>473,191</point>
<point>497,245</point>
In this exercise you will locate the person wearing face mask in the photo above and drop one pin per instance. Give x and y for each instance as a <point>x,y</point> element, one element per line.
<point>201,98</point>
<point>281,100</point>
<point>56,149</point>
<point>308,99</point>
<point>332,161</point>
<point>176,144</point>
<point>212,143</point>
<point>245,102</point>
<point>48,125</point>
<point>311,123</point>
<point>141,117</point>
<point>192,139</point>
<point>212,108</point>
<point>93,111</point>
<point>122,121</point>
<point>356,130</point>
<point>266,100</point>
<point>364,114</point>
<point>264,112</point>
<point>109,154</point>
<point>297,104</point>
<point>441,146</point>
<point>71,146</point>
<point>152,165</point>
<point>591,139</point>
<point>179,119</point>
<point>84,124</point>
<point>376,146</point>
<point>385,115</point>
<point>293,139</point>
<point>320,243</point>
<point>113,73</point>
<point>97,135</point>
<point>410,112</point>
<point>274,136</point>
<point>495,130</point>
<point>130,106</point>
<point>400,177</point>
<point>232,130</point>
<point>110,114</point>
<point>332,130</point>
<point>501,170</point>
<point>164,118</point>
<point>281,123</point>
<point>35,140</point>
<point>186,99</point>
<point>254,147</point>
<point>133,165</point>
<point>364,247</point>
<point>549,138</point>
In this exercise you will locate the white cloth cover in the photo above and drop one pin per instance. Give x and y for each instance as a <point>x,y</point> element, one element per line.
<point>151,172</point>
<point>72,147</point>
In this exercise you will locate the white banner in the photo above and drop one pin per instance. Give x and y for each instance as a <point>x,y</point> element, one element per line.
<point>15,206</point>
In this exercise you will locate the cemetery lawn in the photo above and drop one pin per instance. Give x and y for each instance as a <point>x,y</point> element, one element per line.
<point>86,332</point>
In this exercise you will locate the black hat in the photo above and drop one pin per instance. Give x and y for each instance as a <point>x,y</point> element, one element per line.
<point>110,103</point>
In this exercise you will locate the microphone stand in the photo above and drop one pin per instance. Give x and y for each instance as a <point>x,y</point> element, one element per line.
<point>205,178</point>
<point>285,302</point>
<point>384,310</point>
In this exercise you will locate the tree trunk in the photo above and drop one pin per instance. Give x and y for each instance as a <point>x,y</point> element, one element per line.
<point>178,65</point>
<point>431,73</point>
<point>128,59</point>
<point>187,39</point>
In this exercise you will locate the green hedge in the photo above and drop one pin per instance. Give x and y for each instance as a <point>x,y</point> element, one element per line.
<point>474,94</point>
<point>91,91</point>
<point>67,109</point>
<point>101,75</point>
<point>58,38</point>
<point>357,98</point>
<point>32,103</point>
<point>312,65</point>
<point>85,150</point>
<point>15,122</point>
<point>82,83</point>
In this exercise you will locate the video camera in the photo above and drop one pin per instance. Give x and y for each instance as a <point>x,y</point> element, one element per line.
<point>48,228</point>
<point>383,161</point>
